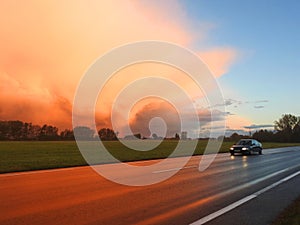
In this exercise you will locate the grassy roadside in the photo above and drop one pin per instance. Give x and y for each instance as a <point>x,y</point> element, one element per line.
<point>289,216</point>
<point>34,155</point>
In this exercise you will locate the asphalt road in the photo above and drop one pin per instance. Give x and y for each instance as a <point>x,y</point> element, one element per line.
<point>81,196</point>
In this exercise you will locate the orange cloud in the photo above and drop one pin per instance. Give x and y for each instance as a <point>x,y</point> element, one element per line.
<point>141,121</point>
<point>237,122</point>
<point>46,46</point>
<point>219,59</point>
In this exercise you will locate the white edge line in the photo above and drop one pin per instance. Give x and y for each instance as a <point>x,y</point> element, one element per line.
<point>224,210</point>
<point>242,201</point>
<point>276,183</point>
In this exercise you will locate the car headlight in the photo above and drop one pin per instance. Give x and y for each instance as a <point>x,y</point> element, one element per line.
<point>231,148</point>
<point>245,149</point>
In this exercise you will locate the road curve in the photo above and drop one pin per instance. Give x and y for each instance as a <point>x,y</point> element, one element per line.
<point>81,196</point>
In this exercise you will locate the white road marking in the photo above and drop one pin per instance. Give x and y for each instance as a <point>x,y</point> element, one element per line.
<point>276,183</point>
<point>224,210</point>
<point>243,200</point>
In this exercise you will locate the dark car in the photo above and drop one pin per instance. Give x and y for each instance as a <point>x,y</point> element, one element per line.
<point>246,146</point>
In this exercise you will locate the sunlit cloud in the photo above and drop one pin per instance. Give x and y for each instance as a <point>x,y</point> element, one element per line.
<point>219,59</point>
<point>236,121</point>
<point>140,121</point>
<point>46,46</point>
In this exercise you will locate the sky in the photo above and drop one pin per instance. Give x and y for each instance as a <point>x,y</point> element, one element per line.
<point>252,48</point>
<point>263,83</point>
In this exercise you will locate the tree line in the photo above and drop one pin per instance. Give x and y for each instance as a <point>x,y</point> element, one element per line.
<point>23,131</point>
<point>287,129</point>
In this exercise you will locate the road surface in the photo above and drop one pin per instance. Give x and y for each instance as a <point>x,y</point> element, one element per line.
<point>81,196</point>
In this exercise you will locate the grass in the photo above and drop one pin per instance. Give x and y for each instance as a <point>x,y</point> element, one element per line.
<point>35,155</point>
<point>31,155</point>
<point>289,216</point>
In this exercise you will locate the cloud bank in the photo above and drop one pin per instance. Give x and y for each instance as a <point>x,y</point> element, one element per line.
<point>46,46</point>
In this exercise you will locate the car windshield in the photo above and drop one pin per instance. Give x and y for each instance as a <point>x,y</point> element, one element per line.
<point>244,142</point>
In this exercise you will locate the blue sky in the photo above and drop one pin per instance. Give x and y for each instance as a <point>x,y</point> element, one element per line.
<point>266,35</point>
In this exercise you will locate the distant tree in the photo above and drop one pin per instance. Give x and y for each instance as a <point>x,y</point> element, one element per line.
<point>25,131</point>
<point>138,136</point>
<point>67,135</point>
<point>33,132</point>
<point>4,130</point>
<point>235,137</point>
<point>296,133</point>
<point>154,136</point>
<point>287,127</point>
<point>287,122</point>
<point>106,134</point>
<point>30,132</point>
<point>221,138</point>
<point>264,135</point>
<point>48,133</point>
<point>11,130</point>
<point>133,137</point>
<point>177,137</point>
<point>16,130</point>
<point>83,133</point>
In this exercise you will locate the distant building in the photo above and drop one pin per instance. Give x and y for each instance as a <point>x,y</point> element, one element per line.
<point>183,135</point>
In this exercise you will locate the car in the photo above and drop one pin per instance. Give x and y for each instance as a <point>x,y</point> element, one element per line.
<point>246,146</point>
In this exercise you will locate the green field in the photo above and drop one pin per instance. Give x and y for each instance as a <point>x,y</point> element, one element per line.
<point>34,155</point>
